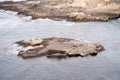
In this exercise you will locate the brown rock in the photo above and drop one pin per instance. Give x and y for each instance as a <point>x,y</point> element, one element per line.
<point>72,10</point>
<point>59,48</point>
<point>30,42</point>
<point>35,52</point>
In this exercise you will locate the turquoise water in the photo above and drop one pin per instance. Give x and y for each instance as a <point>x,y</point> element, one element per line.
<point>104,66</point>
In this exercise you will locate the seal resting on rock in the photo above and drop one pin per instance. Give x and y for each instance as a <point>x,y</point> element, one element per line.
<point>58,48</point>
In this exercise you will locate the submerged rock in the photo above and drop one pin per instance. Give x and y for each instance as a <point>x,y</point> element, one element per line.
<point>58,48</point>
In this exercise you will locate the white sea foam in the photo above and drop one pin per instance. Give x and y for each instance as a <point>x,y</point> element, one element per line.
<point>15,49</point>
<point>11,18</point>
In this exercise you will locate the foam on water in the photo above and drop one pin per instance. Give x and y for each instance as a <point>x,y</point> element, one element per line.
<point>11,18</point>
<point>15,49</point>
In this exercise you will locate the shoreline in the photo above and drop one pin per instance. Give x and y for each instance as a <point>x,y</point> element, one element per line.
<point>67,11</point>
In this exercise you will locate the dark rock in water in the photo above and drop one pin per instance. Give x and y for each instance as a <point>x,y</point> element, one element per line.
<point>93,54</point>
<point>58,48</point>
<point>50,52</point>
<point>57,55</point>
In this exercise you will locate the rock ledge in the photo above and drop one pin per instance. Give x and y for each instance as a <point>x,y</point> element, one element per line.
<point>71,10</point>
<point>54,47</point>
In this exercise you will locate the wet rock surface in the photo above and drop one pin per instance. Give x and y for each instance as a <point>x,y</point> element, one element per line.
<point>58,48</point>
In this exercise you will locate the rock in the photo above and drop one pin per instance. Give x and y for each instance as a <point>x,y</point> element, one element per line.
<point>93,54</point>
<point>30,42</point>
<point>72,10</point>
<point>99,48</point>
<point>58,48</point>
<point>31,53</point>
<point>86,17</point>
<point>36,15</point>
<point>57,55</point>
<point>50,52</point>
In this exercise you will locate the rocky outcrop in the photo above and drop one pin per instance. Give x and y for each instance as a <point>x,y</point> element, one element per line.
<point>73,10</point>
<point>58,48</point>
<point>77,16</point>
<point>30,42</point>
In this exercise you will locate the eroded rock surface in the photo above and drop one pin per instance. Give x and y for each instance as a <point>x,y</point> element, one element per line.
<point>73,10</point>
<point>58,48</point>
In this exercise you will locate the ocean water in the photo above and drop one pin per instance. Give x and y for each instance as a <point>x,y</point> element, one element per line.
<point>104,66</point>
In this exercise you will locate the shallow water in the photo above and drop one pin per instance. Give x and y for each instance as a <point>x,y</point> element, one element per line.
<point>104,66</point>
